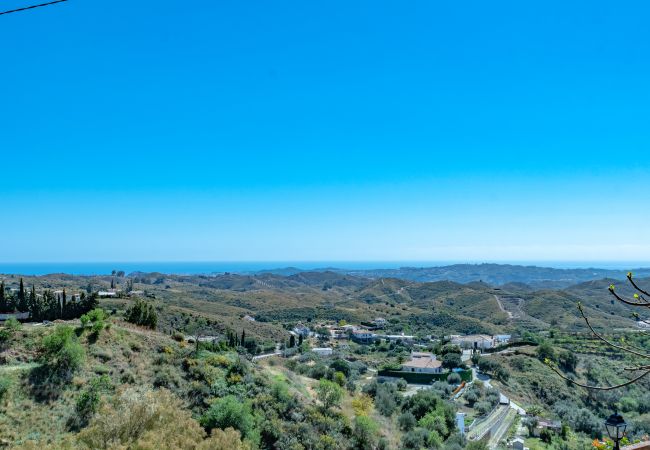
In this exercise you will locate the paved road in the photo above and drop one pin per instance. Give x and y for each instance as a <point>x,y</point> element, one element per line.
<point>500,430</point>
<point>267,355</point>
<point>499,421</point>
<point>494,418</point>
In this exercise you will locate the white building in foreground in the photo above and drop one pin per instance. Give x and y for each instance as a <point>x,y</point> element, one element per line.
<point>422,362</point>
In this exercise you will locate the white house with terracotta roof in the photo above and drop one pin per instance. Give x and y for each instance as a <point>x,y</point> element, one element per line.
<point>422,362</point>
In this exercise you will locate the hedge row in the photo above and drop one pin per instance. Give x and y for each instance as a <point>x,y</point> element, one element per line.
<point>423,378</point>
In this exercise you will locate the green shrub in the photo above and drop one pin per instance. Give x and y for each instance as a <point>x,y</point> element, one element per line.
<point>5,386</point>
<point>9,329</point>
<point>365,433</point>
<point>483,407</point>
<point>231,412</point>
<point>406,421</point>
<point>386,398</point>
<point>142,313</point>
<point>13,324</point>
<point>89,400</point>
<point>95,319</point>
<point>329,393</point>
<point>415,439</point>
<point>454,378</point>
<point>61,351</point>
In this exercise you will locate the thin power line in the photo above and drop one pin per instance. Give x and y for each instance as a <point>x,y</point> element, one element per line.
<point>32,7</point>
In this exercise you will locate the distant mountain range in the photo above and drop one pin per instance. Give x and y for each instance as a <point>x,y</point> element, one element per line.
<point>493,274</point>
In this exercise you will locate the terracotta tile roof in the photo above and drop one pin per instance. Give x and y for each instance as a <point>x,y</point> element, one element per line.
<point>423,363</point>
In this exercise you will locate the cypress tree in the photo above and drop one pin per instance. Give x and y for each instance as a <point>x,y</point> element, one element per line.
<point>4,307</point>
<point>64,306</point>
<point>299,340</point>
<point>22,298</point>
<point>153,318</point>
<point>243,338</point>
<point>34,310</point>
<point>292,341</point>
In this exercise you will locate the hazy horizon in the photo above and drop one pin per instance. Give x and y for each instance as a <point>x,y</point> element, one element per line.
<point>207,267</point>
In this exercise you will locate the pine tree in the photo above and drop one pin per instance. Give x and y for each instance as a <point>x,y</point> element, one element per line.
<point>22,298</point>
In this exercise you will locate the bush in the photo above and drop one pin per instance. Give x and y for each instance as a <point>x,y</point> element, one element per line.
<point>434,421</point>
<point>453,378</point>
<point>406,421</point>
<point>339,378</point>
<point>415,439</point>
<point>153,420</point>
<point>61,352</point>
<point>229,412</point>
<point>568,361</point>
<point>9,329</point>
<point>451,360</point>
<point>483,407</point>
<point>471,397</point>
<point>5,386</point>
<point>329,393</point>
<point>178,336</point>
<point>166,377</point>
<point>386,398</point>
<point>586,422</point>
<point>95,319</point>
<point>545,351</point>
<point>362,405</point>
<point>340,365</point>
<point>88,401</point>
<point>451,348</point>
<point>142,313</point>
<point>364,434</point>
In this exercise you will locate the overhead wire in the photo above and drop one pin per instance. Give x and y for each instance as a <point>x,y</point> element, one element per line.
<point>31,7</point>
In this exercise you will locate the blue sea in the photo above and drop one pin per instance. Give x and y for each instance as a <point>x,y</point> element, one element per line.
<point>215,267</point>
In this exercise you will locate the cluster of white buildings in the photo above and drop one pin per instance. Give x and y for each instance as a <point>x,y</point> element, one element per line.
<point>366,334</point>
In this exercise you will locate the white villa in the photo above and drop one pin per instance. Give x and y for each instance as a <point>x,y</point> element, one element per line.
<point>473,341</point>
<point>111,293</point>
<point>422,362</point>
<point>363,336</point>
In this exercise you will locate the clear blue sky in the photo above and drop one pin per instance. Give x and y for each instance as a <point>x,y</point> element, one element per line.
<point>332,130</point>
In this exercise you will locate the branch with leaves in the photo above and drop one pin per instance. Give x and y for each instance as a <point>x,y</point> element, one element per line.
<point>639,299</point>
